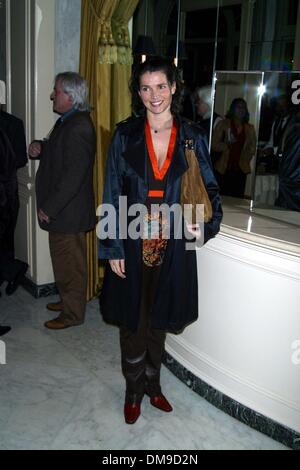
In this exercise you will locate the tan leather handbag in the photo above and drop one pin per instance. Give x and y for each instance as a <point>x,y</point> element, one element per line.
<point>193,190</point>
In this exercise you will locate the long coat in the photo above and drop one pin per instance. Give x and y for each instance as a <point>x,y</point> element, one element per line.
<point>64,180</point>
<point>220,143</point>
<point>8,183</point>
<point>13,156</point>
<point>176,301</point>
<point>14,129</point>
<point>9,202</point>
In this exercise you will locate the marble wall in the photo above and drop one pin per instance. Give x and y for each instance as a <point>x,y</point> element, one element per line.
<point>67,35</point>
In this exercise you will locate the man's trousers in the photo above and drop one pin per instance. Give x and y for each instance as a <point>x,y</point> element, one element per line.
<point>69,261</point>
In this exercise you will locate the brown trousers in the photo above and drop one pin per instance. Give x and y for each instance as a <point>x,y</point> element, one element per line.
<point>69,261</point>
<point>142,350</point>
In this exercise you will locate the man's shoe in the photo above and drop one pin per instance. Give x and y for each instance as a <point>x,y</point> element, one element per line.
<point>59,324</point>
<point>161,403</point>
<point>131,412</point>
<point>13,285</point>
<point>55,306</point>
<point>4,330</point>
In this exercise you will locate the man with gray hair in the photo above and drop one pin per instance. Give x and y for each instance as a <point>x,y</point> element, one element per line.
<point>204,105</point>
<point>65,197</point>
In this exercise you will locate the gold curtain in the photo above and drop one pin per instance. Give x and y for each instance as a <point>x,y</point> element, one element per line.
<point>121,70</point>
<point>98,51</point>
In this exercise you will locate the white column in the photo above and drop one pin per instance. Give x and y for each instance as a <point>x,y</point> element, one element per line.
<point>246,33</point>
<point>44,119</point>
<point>36,43</point>
<point>67,35</point>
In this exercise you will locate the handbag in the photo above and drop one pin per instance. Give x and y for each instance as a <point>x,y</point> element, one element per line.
<point>193,190</point>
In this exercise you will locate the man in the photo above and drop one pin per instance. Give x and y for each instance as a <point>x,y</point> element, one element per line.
<point>65,198</point>
<point>204,105</point>
<point>289,166</point>
<point>283,115</point>
<point>13,156</point>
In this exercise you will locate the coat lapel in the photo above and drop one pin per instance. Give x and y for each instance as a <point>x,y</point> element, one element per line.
<point>179,164</point>
<point>135,153</point>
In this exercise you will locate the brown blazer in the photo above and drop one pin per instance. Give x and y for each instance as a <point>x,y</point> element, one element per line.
<point>220,143</point>
<point>64,181</point>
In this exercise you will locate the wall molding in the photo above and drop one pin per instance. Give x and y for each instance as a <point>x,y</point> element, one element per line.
<point>256,255</point>
<point>233,408</point>
<point>198,362</point>
<point>257,240</point>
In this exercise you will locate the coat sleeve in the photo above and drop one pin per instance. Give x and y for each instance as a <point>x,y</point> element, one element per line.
<point>111,245</point>
<point>219,138</point>
<point>210,228</point>
<point>78,157</point>
<point>19,143</point>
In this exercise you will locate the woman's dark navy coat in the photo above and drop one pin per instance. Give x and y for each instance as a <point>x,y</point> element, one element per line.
<point>176,303</point>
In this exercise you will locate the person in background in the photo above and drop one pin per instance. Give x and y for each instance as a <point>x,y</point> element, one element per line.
<point>203,103</point>
<point>7,166</point>
<point>289,165</point>
<point>13,156</point>
<point>150,284</point>
<point>282,109</point>
<point>235,138</point>
<point>65,196</point>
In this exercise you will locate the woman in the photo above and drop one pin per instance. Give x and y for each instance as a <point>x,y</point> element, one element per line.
<point>150,285</point>
<point>235,138</point>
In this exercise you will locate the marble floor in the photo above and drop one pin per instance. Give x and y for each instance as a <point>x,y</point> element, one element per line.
<point>64,390</point>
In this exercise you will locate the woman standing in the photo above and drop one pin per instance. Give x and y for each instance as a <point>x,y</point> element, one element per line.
<point>235,138</point>
<point>150,284</point>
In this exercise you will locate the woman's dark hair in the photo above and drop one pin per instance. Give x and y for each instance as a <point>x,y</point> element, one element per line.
<point>231,112</point>
<point>155,64</point>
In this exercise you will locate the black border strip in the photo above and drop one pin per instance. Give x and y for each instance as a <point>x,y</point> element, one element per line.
<point>36,291</point>
<point>236,410</point>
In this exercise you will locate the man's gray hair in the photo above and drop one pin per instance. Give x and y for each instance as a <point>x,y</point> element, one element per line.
<point>204,93</point>
<point>76,87</point>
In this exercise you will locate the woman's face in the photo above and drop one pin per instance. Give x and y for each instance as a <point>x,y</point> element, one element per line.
<point>240,110</point>
<point>156,92</point>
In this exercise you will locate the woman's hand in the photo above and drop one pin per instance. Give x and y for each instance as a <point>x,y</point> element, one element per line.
<point>118,267</point>
<point>194,229</point>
